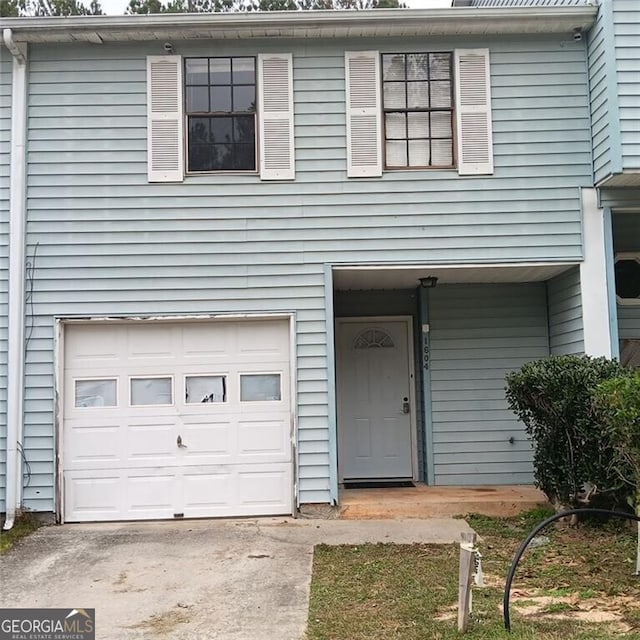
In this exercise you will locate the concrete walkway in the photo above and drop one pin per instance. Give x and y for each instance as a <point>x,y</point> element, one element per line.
<point>191,580</point>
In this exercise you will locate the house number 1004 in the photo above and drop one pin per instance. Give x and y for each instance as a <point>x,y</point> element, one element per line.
<point>425,356</point>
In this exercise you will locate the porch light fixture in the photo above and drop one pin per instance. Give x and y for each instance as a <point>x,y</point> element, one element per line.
<point>429,282</point>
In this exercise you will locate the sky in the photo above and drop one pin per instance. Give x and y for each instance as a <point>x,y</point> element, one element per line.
<point>117,7</point>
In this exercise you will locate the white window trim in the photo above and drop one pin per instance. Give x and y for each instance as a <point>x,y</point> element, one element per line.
<point>96,379</point>
<point>259,373</point>
<point>183,399</point>
<point>152,377</point>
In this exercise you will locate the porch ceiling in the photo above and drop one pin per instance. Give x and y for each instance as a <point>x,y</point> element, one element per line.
<point>407,277</point>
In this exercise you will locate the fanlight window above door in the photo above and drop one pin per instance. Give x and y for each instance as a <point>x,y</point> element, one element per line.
<point>373,339</point>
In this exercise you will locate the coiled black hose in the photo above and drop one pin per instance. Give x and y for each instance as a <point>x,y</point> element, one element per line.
<point>532,535</point>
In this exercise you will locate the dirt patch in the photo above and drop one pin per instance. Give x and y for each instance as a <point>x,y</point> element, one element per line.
<point>608,610</point>
<point>163,623</point>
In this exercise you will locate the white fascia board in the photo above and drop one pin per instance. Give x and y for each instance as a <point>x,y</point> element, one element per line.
<point>320,24</point>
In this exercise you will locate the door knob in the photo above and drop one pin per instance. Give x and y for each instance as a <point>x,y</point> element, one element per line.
<point>179,443</point>
<point>406,408</point>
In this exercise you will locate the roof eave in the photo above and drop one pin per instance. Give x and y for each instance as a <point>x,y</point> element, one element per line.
<point>293,24</point>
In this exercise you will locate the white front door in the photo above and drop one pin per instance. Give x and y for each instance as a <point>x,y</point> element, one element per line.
<point>374,399</point>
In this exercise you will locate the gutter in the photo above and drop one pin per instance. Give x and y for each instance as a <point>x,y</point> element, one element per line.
<point>283,24</point>
<point>17,211</point>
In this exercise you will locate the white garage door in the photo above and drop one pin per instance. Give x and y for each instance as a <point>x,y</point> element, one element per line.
<point>188,419</point>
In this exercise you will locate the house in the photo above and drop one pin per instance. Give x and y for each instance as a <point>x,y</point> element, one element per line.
<point>226,231</point>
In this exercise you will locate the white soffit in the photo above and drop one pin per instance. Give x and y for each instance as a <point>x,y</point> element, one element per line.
<point>407,277</point>
<point>304,24</point>
<point>624,179</point>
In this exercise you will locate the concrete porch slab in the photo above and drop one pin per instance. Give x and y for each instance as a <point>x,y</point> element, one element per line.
<point>423,501</point>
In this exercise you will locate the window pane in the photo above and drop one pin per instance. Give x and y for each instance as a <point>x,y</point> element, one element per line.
<point>96,393</point>
<point>197,71</point>
<point>197,99</point>
<point>441,94</point>
<point>395,126</point>
<point>440,66</point>
<point>220,70</point>
<point>220,99</point>
<point>417,66</point>
<point>200,157</point>
<point>202,389</point>
<point>148,391</point>
<point>222,157</point>
<point>244,71</point>
<point>418,125</point>
<point>418,95</point>
<point>396,153</point>
<point>199,130</point>
<point>627,277</point>
<point>244,129</point>
<point>244,99</point>
<point>441,124</point>
<point>222,129</point>
<point>418,153</point>
<point>441,153</point>
<point>393,67</point>
<point>263,387</point>
<point>244,157</point>
<point>394,95</point>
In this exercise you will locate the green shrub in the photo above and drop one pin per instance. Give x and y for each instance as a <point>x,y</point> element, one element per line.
<point>618,402</point>
<point>554,399</point>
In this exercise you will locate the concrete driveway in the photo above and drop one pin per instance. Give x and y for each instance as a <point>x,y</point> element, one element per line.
<point>191,580</point>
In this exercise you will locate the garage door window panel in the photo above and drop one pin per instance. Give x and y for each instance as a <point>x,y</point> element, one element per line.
<point>96,393</point>
<point>262,387</point>
<point>151,391</point>
<point>205,389</point>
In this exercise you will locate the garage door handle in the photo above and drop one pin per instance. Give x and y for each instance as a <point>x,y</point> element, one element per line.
<point>179,443</point>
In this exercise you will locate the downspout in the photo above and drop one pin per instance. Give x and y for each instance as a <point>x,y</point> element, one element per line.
<point>17,210</point>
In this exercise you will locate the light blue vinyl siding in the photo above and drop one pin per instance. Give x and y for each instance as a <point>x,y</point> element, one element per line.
<point>5,141</point>
<point>626,19</point>
<point>626,238</point>
<point>614,73</point>
<point>478,334</point>
<point>109,243</point>
<point>603,112</point>
<point>629,322</point>
<point>566,332</point>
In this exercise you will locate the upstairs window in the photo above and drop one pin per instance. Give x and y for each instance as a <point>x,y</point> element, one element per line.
<point>417,97</point>
<point>217,114</point>
<point>220,101</point>
<point>418,110</point>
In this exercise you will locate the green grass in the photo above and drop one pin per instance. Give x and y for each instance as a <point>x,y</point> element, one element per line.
<point>409,592</point>
<point>24,525</point>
